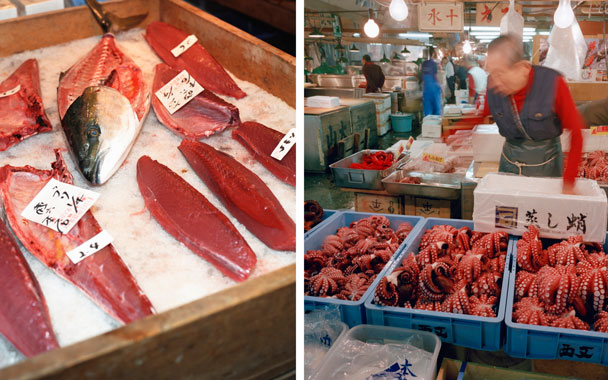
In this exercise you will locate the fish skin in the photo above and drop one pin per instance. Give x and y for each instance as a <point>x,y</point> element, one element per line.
<point>243,193</point>
<point>103,276</point>
<point>189,217</point>
<point>208,72</point>
<point>100,128</point>
<point>104,84</point>
<point>202,116</point>
<point>260,141</point>
<point>24,316</point>
<point>22,114</point>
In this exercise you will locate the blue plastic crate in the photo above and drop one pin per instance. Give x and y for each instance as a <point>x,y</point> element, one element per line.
<point>481,333</point>
<point>353,312</point>
<point>542,342</point>
<point>327,215</point>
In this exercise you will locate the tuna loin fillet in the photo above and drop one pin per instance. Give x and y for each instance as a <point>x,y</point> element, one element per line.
<point>24,317</point>
<point>104,277</point>
<point>261,141</point>
<point>243,193</point>
<point>190,218</point>
<point>163,37</point>
<point>22,114</point>
<point>203,116</point>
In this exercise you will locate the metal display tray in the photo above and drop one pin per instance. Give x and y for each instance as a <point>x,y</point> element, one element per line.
<point>433,185</point>
<point>344,176</point>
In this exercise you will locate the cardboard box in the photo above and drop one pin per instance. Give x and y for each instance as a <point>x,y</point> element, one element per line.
<point>511,203</point>
<point>382,204</point>
<point>427,207</point>
<point>450,369</point>
<point>487,143</point>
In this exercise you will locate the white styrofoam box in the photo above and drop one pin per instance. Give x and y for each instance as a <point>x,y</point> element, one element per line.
<point>452,109</point>
<point>382,100</point>
<point>431,130</point>
<point>322,101</point>
<point>40,6</point>
<point>462,99</point>
<point>461,93</point>
<point>7,10</point>
<point>382,117</point>
<point>590,142</point>
<point>487,143</point>
<point>383,128</point>
<point>510,203</point>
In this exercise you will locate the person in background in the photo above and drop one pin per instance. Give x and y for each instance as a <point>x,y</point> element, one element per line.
<point>450,77</point>
<point>595,112</point>
<point>374,77</point>
<point>531,105</point>
<point>431,91</point>
<point>461,76</point>
<point>477,79</point>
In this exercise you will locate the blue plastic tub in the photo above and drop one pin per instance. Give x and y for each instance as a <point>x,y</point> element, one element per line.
<point>542,342</point>
<point>402,122</point>
<point>353,312</point>
<point>327,215</point>
<point>481,333</point>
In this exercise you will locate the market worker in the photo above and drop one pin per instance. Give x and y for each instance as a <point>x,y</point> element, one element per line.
<point>477,79</point>
<point>431,91</point>
<point>450,77</point>
<point>373,75</point>
<point>531,105</point>
<point>595,112</point>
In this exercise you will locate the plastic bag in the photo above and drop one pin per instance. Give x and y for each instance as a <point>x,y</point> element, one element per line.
<point>567,51</point>
<point>512,23</point>
<point>321,330</point>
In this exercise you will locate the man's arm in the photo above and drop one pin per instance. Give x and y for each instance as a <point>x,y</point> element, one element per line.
<point>471,85</point>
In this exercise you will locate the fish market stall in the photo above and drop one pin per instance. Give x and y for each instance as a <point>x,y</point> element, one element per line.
<point>191,297</point>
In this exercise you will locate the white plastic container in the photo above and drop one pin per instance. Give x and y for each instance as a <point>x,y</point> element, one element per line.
<point>322,101</point>
<point>431,126</point>
<point>318,343</point>
<point>487,143</point>
<point>510,203</point>
<point>381,335</point>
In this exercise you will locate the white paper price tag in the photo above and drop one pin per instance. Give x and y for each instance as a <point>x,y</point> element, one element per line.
<point>59,206</point>
<point>285,145</point>
<point>89,247</point>
<point>178,92</point>
<point>184,45</point>
<point>10,92</point>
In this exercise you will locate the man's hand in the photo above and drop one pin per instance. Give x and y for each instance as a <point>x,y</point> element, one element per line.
<point>568,188</point>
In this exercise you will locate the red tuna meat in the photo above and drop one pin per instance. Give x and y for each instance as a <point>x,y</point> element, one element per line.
<point>190,218</point>
<point>261,141</point>
<point>104,65</point>
<point>163,37</point>
<point>243,193</point>
<point>203,116</point>
<point>24,317</point>
<point>104,277</point>
<point>22,114</point>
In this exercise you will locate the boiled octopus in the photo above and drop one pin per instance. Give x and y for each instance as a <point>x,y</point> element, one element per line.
<point>349,261</point>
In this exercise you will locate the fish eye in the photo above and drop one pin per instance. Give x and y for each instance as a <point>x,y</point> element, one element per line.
<point>93,132</point>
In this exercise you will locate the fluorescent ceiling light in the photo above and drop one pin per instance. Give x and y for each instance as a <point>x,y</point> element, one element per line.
<point>485,34</point>
<point>544,33</point>
<point>484,28</point>
<point>485,41</point>
<point>415,35</point>
<point>356,34</point>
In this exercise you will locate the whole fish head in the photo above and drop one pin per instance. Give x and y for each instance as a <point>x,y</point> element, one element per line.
<point>100,128</point>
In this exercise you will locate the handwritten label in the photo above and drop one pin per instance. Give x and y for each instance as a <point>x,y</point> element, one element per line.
<point>285,145</point>
<point>59,206</point>
<point>10,92</point>
<point>601,130</point>
<point>429,157</point>
<point>86,249</point>
<point>184,45</point>
<point>178,92</point>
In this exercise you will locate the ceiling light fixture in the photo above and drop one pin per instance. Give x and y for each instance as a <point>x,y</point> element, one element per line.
<point>370,28</point>
<point>398,10</point>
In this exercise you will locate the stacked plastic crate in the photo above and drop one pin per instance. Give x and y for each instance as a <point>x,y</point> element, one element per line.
<point>383,111</point>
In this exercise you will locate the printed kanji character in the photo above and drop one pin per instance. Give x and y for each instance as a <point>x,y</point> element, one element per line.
<point>434,16</point>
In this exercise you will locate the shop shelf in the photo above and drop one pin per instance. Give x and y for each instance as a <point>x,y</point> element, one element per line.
<point>381,335</point>
<point>353,312</point>
<point>543,342</point>
<point>327,215</point>
<point>482,333</point>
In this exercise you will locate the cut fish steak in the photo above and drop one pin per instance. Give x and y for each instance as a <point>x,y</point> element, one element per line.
<point>199,63</point>
<point>202,116</point>
<point>24,316</point>
<point>103,101</point>
<point>261,141</point>
<point>243,193</point>
<point>103,276</point>
<point>22,113</point>
<point>190,218</point>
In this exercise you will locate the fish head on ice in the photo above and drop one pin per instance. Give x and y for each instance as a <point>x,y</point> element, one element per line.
<point>100,127</point>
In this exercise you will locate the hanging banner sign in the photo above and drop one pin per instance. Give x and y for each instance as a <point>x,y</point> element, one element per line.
<point>440,17</point>
<point>490,14</point>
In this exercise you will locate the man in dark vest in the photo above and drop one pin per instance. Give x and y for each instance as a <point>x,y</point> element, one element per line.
<point>373,75</point>
<point>531,105</point>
